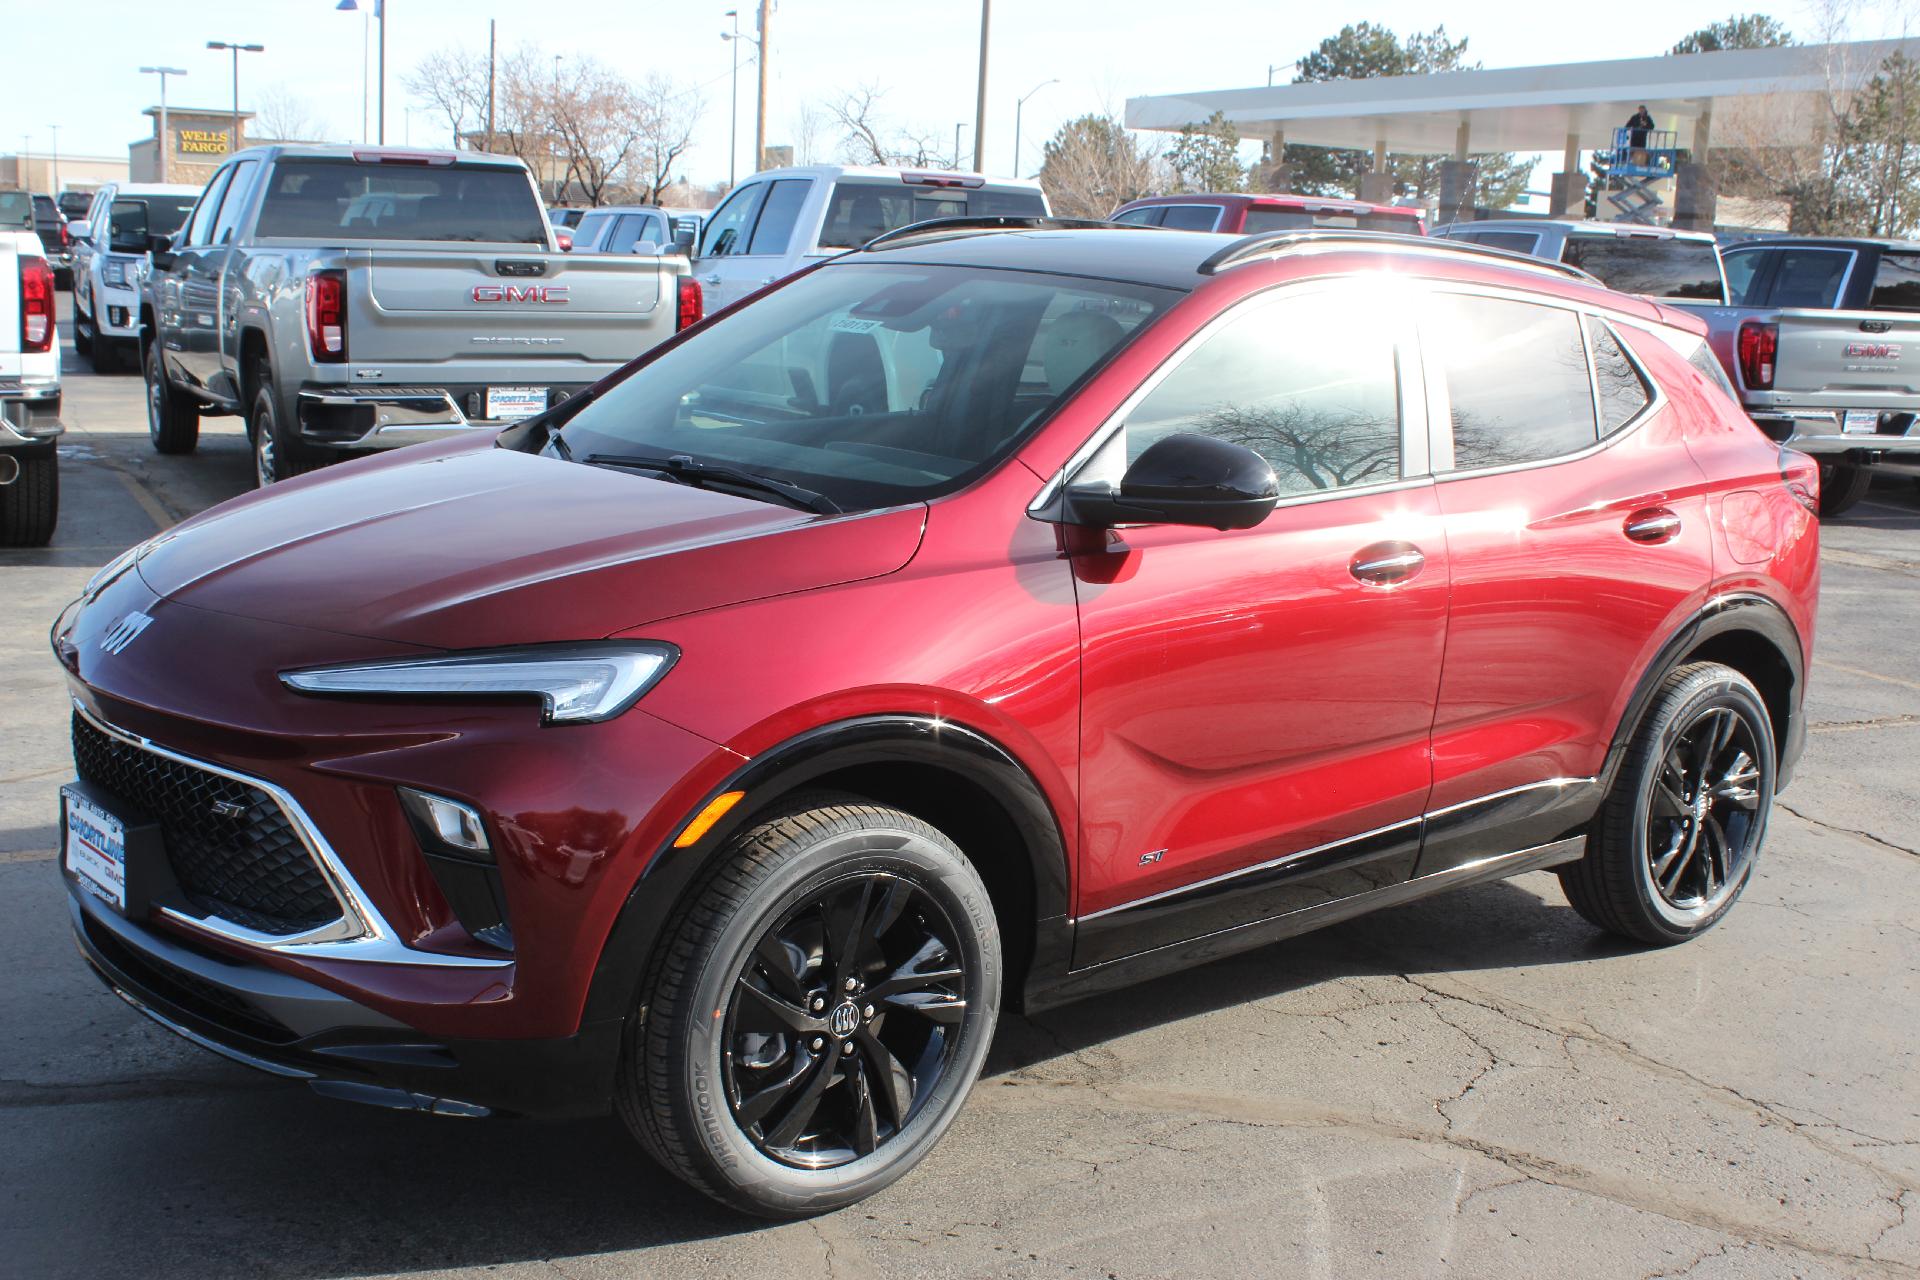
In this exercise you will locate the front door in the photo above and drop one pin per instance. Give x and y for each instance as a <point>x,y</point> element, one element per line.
<point>195,299</point>
<point>1257,705</point>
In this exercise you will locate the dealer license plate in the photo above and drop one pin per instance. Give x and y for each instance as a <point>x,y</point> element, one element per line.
<point>515,402</point>
<point>1860,421</point>
<point>96,849</point>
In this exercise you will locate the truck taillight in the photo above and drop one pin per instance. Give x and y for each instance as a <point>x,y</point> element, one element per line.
<point>693,304</point>
<point>327,317</point>
<point>1758,342</point>
<point>36,305</point>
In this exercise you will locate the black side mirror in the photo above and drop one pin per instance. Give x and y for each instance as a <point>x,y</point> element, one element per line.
<point>161,248</point>
<point>1183,479</point>
<point>683,240</point>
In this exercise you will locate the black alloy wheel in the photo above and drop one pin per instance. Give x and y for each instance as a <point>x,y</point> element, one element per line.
<point>1682,826</point>
<point>844,1021</point>
<point>1703,813</point>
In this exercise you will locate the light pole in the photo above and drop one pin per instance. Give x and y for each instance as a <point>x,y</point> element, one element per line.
<point>733,38</point>
<point>237,50</point>
<point>958,126</point>
<point>1017,107</point>
<point>379,12</point>
<point>56,157</point>
<point>166,143</point>
<point>980,97</point>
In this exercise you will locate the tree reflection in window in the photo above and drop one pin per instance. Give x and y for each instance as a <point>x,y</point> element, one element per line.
<point>1516,377</point>
<point>1623,392</point>
<point>1309,383</point>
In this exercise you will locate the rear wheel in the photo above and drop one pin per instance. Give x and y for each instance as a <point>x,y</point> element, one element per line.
<point>173,420</point>
<point>30,506</point>
<point>1842,484</point>
<point>1678,836</point>
<point>818,1011</point>
<point>277,455</point>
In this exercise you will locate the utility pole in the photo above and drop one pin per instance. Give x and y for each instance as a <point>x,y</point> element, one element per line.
<point>56,158</point>
<point>957,127</point>
<point>492,61</point>
<point>760,114</point>
<point>237,50</point>
<point>980,101</point>
<point>380,12</point>
<point>166,142</point>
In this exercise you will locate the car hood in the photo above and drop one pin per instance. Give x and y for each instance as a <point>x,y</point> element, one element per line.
<point>467,546</point>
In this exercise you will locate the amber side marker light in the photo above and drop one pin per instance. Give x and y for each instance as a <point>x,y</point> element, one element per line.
<point>717,808</point>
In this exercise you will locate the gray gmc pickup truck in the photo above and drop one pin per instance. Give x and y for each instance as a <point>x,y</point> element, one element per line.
<point>354,298</point>
<point>1822,343</point>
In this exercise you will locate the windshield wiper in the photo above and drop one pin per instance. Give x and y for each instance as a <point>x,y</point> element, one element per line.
<point>684,469</point>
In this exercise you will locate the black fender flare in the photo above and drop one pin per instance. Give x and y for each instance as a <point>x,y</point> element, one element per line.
<point>789,767</point>
<point>1732,612</point>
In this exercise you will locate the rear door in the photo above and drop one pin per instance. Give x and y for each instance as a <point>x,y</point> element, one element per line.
<point>1578,541</point>
<point>1257,704</point>
<point>725,269</point>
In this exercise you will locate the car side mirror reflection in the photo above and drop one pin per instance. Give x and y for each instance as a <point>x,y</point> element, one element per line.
<point>161,247</point>
<point>1183,479</point>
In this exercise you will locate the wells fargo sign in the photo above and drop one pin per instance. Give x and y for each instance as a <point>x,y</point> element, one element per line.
<point>203,142</point>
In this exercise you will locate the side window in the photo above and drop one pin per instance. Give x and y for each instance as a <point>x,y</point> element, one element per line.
<point>1517,378</point>
<point>1511,241</point>
<point>233,206</point>
<point>731,225</point>
<point>200,229</point>
<point>1743,268</point>
<point>587,229</point>
<point>626,233</point>
<point>778,216</point>
<point>1191,217</point>
<point>1896,282</point>
<point>1808,278</point>
<point>1623,392</point>
<point>1146,217</point>
<point>1309,383</point>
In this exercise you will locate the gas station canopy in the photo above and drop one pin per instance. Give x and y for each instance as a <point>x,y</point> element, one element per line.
<point>1531,108</point>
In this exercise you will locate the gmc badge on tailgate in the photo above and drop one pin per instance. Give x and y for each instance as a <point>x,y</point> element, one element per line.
<point>1873,351</point>
<point>556,293</point>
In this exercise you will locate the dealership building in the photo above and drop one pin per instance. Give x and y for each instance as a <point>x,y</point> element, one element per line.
<point>1702,104</point>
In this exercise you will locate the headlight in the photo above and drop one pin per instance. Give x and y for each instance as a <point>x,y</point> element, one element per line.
<point>115,273</point>
<point>575,683</point>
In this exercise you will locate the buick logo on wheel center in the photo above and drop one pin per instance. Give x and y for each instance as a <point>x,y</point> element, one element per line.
<point>125,632</point>
<point>844,1019</point>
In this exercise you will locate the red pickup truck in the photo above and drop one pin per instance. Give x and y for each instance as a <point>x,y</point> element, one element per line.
<point>1248,214</point>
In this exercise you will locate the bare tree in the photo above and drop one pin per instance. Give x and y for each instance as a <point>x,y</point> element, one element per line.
<point>452,84</point>
<point>867,138</point>
<point>282,115</point>
<point>813,124</point>
<point>1093,165</point>
<point>598,121</point>
<point>668,115</point>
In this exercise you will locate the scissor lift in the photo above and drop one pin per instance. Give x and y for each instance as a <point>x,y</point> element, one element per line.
<point>1640,163</point>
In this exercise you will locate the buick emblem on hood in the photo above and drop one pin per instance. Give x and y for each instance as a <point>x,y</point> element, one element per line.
<point>125,632</point>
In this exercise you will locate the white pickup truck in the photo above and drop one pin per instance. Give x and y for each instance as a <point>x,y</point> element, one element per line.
<point>29,381</point>
<point>778,221</point>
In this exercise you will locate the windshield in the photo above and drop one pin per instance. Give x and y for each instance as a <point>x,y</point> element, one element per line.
<point>873,385</point>
<point>16,210</point>
<point>1301,220</point>
<point>859,211</point>
<point>348,200</point>
<point>1653,268</point>
<point>164,214</point>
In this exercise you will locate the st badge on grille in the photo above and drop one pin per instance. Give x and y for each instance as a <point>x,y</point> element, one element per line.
<point>125,632</point>
<point>228,809</point>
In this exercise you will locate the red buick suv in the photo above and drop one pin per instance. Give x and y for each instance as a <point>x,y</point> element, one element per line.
<point>995,615</point>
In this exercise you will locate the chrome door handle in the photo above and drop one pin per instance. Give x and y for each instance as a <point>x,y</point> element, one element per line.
<point>1656,525</point>
<point>1385,563</point>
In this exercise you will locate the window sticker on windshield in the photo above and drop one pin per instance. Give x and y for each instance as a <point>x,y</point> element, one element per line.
<point>853,324</point>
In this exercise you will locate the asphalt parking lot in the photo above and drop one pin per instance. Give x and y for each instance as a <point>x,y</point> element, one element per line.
<point>1478,1084</point>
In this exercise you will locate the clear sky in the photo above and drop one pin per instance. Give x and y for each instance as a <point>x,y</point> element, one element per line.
<point>76,65</point>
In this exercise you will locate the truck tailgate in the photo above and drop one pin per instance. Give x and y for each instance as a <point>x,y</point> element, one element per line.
<point>9,308</point>
<point>1839,358</point>
<point>424,305</point>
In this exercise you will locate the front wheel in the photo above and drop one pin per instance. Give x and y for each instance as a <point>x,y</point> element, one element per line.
<point>1678,836</point>
<point>1842,485</point>
<point>818,1011</point>
<point>173,420</point>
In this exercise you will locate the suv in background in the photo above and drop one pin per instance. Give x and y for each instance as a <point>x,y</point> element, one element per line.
<point>1250,214</point>
<point>729,757</point>
<point>1822,341</point>
<point>74,204</point>
<point>1654,262</point>
<point>110,266</point>
<point>619,228</point>
<point>56,239</point>
<point>776,222</point>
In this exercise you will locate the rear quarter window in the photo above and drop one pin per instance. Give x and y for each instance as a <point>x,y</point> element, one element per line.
<point>1654,267</point>
<point>1191,217</point>
<point>1896,283</point>
<point>1808,278</point>
<point>1516,377</point>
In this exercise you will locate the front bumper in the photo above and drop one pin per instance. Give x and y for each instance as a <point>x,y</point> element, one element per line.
<point>115,314</point>
<point>289,1027</point>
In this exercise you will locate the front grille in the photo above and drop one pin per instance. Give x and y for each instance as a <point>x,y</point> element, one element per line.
<point>247,865</point>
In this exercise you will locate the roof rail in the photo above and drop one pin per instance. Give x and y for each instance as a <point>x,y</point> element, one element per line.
<point>989,222</point>
<point>1268,244</point>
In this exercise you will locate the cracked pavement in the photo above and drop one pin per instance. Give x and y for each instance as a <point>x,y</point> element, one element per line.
<point>1478,1084</point>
